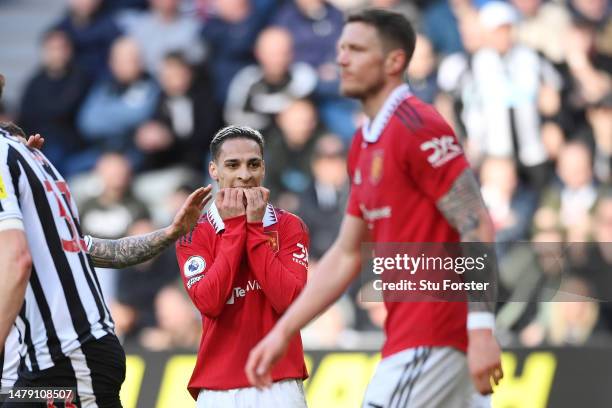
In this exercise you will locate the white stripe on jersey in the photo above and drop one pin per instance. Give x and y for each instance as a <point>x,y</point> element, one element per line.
<point>11,360</point>
<point>64,306</point>
<point>84,381</point>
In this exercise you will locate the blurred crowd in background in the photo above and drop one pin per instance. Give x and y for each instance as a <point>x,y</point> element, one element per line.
<point>129,93</point>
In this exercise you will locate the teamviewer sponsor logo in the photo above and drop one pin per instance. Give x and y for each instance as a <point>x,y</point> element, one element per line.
<point>240,292</point>
<point>443,149</point>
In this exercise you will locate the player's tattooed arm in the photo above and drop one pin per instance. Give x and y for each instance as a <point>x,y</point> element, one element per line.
<point>120,253</point>
<point>465,210</point>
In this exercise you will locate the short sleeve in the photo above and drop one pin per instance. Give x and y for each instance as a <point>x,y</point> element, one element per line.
<point>435,157</point>
<point>9,204</point>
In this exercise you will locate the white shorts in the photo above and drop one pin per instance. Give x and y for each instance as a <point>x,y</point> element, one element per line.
<point>282,394</point>
<point>423,377</point>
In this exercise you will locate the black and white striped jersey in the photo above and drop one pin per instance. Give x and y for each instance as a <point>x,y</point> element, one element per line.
<point>63,307</point>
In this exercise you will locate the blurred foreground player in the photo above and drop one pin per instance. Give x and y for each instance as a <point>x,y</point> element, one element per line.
<point>50,291</point>
<point>243,265</point>
<point>411,184</point>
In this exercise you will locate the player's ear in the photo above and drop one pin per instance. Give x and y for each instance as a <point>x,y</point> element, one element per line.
<point>213,171</point>
<point>395,62</point>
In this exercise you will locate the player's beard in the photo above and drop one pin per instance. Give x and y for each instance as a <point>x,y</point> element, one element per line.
<point>364,92</point>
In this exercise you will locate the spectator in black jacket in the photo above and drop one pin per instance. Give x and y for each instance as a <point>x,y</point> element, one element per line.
<point>92,30</point>
<point>322,204</point>
<point>185,120</point>
<point>52,98</point>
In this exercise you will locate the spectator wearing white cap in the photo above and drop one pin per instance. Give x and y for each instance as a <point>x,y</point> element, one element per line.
<point>512,81</point>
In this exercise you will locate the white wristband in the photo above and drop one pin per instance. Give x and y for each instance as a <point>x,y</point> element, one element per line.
<point>11,223</point>
<point>480,320</point>
<point>88,242</point>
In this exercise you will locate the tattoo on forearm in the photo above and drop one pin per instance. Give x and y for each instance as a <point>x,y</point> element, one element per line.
<point>465,210</point>
<point>463,206</point>
<point>119,253</point>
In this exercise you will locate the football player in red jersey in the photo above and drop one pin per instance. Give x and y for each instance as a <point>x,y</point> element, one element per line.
<point>243,265</point>
<point>410,183</point>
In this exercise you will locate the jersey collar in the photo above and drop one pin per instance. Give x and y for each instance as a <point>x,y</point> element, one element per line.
<point>373,129</point>
<point>270,217</point>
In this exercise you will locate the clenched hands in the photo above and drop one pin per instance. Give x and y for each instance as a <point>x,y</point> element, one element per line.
<point>257,201</point>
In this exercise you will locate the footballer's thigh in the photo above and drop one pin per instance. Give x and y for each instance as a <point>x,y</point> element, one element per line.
<point>286,393</point>
<point>421,377</point>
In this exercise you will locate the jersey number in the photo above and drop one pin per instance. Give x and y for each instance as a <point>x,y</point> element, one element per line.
<point>75,244</point>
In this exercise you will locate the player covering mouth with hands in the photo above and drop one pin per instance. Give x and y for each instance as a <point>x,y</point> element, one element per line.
<point>242,266</point>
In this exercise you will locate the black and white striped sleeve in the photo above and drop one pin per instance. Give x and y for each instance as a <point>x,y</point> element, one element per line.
<point>10,212</point>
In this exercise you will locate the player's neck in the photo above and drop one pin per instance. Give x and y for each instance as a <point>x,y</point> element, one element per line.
<point>373,103</point>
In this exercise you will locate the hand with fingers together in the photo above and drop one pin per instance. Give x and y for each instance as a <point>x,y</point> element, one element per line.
<point>257,201</point>
<point>484,360</point>
<point>230,202</point>
<point>35,141</point>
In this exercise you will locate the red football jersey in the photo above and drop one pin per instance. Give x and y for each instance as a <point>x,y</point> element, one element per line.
<point>399,167</point>
<point>242,277</point>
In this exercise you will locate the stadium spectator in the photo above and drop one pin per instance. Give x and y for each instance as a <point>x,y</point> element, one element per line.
<point>230,35</point>
<point>331,329</point>
<point>542,27</point>
<point>594,12</point>
<point>444,13</point>
<point>289,152</point>
<point>459,100</point>
<point>52,97</point>
<point>116,106</point>
<point>599,117</point>
<point>315,26</point>
<point>573,319</point>
<point>92,32</point>
<point>510,80</point>
<point>510,204</point>
<point>111,213</point>
<point>177,324</point>
<point>186,114</point>
<point>133,308</point>
<point>422,71</point>
<point>246,258</point>
<point>596,266</point>
<point>258,92</point>
<point>569,206</point>
<point>162,30</point>
<point>322,204</point>
<point>531,275</point>
<point>588,80</point>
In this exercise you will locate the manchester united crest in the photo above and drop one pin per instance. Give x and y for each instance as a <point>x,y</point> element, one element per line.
<point>376,166</point>
<point>273,240</point>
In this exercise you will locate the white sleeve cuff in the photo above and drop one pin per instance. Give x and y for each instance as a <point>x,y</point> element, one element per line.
<point>11,223</point>
<point>88,242</point>
<point>480,320</point>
